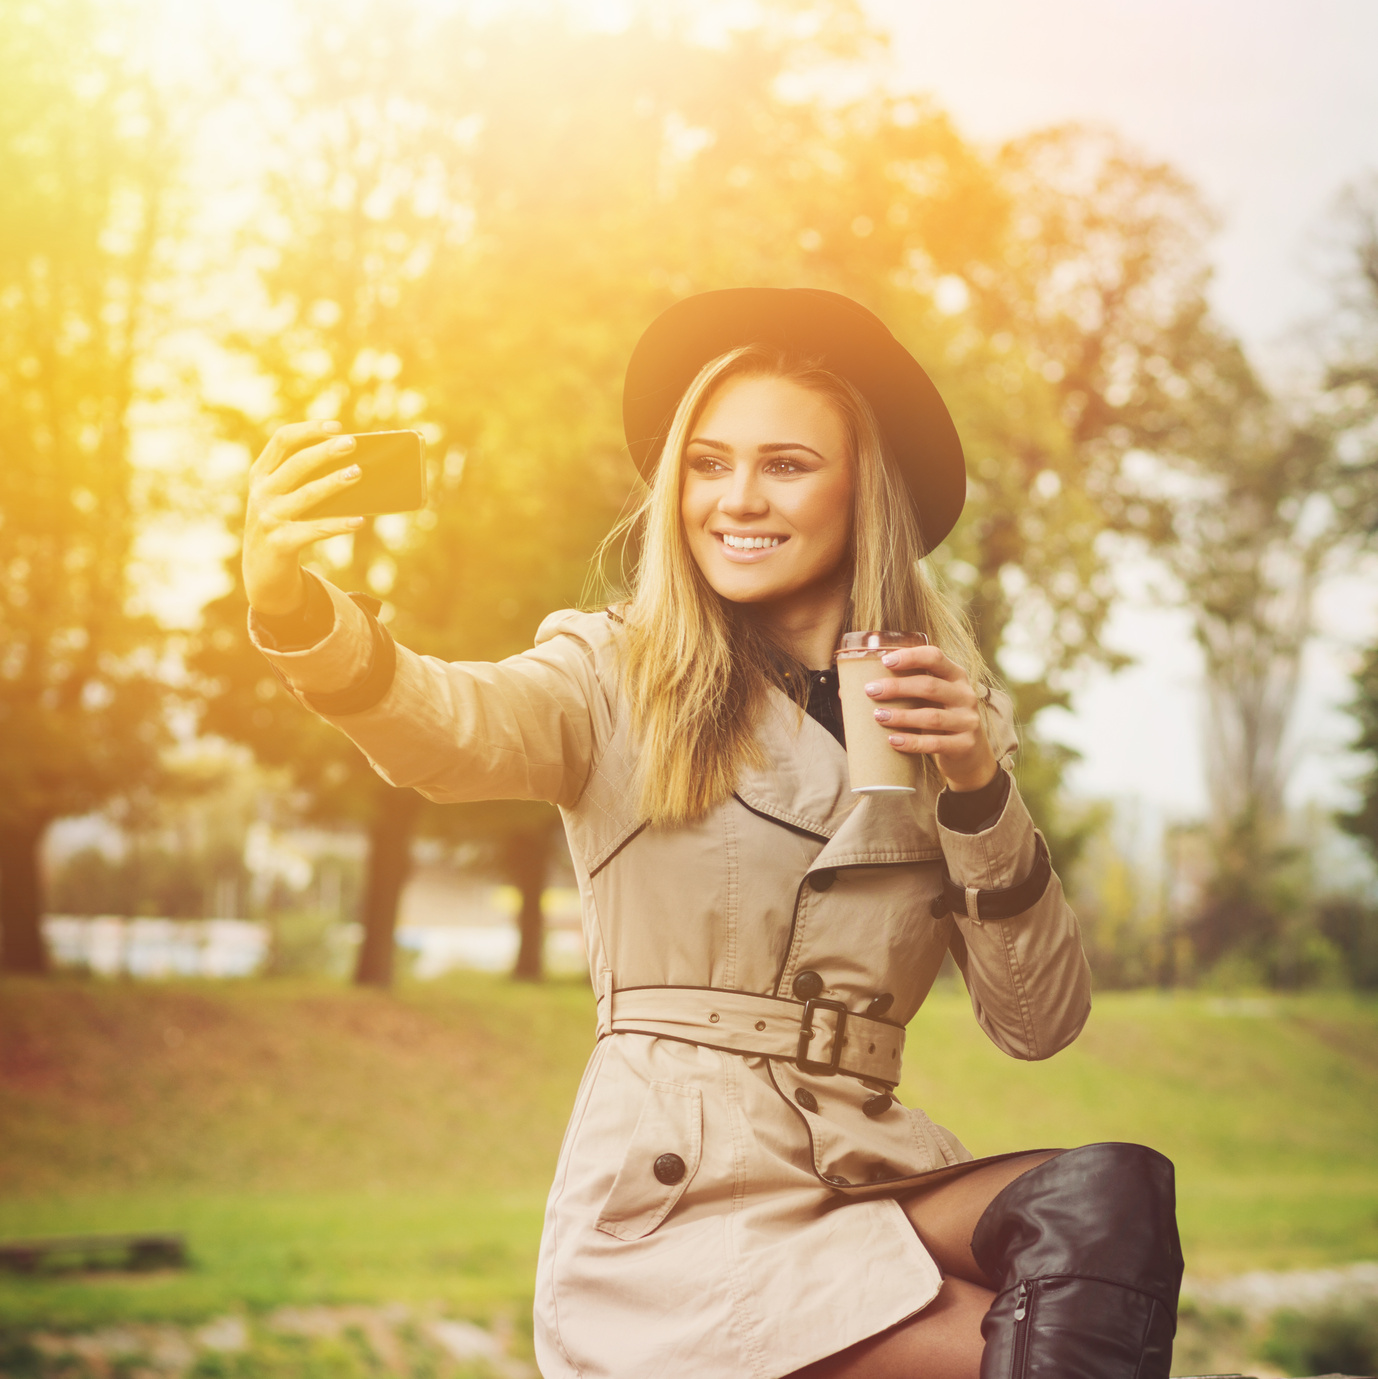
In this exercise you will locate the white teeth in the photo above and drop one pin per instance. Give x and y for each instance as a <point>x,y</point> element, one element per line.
<point>750,543</point>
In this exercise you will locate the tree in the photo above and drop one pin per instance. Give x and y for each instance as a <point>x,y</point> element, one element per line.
<point>1352,387</point>
<point>447,251</point>
<point>1251,551</point>
<point>1363,821</point>
<point>88,163</point>
<point>456,254</point>
<point>1272,505</point>
<point>1057,294</point>
<point>1102,281</point>
<point>386,313</point>
<point>1351,380</point>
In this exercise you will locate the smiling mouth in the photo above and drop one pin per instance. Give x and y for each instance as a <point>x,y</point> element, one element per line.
<point>749,543</point>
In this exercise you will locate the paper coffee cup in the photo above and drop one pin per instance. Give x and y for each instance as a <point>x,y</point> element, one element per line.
<point>875,767</point>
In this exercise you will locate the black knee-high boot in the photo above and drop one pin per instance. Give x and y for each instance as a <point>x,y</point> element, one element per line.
<point>1086,1260</point>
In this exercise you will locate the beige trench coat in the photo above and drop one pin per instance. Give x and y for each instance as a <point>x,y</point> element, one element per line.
<point>782,1241</point>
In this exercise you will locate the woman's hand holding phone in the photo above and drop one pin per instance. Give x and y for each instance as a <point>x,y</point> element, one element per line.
<point>281,492</point>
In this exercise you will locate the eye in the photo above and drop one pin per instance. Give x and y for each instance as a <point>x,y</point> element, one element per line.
<point>706,464</point>
<point>786,465</point>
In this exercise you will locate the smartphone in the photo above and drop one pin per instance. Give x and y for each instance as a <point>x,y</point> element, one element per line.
<point>393,477</point>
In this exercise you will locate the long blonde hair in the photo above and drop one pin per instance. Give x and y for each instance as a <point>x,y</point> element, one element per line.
<point>696,668</point>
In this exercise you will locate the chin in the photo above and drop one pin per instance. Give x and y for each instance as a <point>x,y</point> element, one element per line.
<point>750,596</point>
<point>753,591</point>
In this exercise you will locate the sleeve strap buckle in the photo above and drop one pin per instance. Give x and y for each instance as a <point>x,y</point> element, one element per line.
<point>999,904</point>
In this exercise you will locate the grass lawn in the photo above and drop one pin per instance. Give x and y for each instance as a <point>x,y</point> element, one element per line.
<point>319,1144</point>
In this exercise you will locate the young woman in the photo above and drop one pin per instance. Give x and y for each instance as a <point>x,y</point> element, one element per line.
<point>740,1192</point>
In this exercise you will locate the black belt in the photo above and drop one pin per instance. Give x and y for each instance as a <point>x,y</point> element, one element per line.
<point>378,678</point>
<point>1006,904</point>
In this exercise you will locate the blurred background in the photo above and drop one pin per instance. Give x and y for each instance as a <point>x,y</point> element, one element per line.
<point>256,998</point>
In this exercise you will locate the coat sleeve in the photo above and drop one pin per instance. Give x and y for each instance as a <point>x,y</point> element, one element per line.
<point>524,728</point>
<point>1028,977</point>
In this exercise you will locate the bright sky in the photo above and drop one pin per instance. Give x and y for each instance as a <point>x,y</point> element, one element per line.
<point>1270,106</point>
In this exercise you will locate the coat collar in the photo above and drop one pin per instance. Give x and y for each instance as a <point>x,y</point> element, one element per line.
<point>804,784</point>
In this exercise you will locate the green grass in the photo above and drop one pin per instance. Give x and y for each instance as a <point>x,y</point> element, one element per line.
<point>471,1254</point>
<point>1268,1107</point>
<point>319,1144</point>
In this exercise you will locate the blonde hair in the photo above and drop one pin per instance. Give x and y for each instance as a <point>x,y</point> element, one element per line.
<point>696,668</point>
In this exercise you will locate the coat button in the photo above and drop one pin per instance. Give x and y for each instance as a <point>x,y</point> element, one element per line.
<point>806,1099</point>
<point>879,1005</point>
<point>822,880</point>
<point>876,1105</point>
<point>807,985</point>
<point>669,1168</point>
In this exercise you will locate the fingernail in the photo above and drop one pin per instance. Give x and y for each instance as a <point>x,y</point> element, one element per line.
<point>330,426</point>
<point>873,688</point>
<point>896,741</point>
<point>343,444</point>
<point>882,715</point>
<point>352,472</point>
<point>890,658</point>
<point>354,522</point>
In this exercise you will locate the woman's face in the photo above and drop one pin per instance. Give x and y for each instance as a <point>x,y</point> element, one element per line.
<point>767,497</point>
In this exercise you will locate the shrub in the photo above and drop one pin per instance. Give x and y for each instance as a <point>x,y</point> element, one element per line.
<point>1337,1341</point>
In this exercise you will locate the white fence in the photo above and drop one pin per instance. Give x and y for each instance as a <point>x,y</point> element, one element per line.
<point>438,948</point>
<point>152,948</point>
<point>110,944</point>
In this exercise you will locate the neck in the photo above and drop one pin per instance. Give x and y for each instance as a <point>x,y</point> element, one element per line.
<point>808,624</point>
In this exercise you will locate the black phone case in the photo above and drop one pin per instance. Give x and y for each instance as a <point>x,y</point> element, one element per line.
<point>393,478</point>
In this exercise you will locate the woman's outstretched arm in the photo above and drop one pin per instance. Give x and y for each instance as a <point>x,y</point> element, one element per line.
<point>524,728</point>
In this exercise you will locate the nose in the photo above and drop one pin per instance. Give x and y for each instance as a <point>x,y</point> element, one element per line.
<point>743,497</point>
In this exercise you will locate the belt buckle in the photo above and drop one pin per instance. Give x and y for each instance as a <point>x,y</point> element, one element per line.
<point>803,1062</point>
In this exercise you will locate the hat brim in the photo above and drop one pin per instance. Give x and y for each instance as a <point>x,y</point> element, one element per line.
<point>845,338</point>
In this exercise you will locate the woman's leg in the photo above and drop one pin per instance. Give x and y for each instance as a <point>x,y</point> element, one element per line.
<point>945,1215</point>
<point>944,1340</point>
<point>1057,1265</point>
<point>1084,1255</point>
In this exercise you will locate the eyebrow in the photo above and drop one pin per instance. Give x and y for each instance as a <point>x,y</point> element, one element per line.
<point>773,448</point>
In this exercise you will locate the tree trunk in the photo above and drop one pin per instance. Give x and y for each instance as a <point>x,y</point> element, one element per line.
<point>526,864</point>
<point>389,865</point>
<point>22,948</point>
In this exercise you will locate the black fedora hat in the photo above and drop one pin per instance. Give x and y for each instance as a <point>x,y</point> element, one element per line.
<point>845,338</point>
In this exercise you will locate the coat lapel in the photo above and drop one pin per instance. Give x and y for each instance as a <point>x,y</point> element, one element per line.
<point>804,784</point>
<point>802,781</point>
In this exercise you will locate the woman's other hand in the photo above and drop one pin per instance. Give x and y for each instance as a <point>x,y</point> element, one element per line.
<point>281,489</point>
<point>951,730</point>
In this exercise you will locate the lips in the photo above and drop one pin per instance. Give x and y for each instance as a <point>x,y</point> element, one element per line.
<point>747,548</point>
